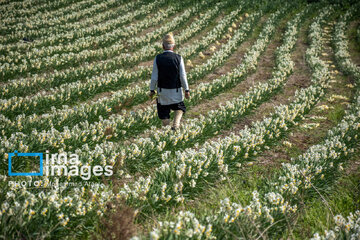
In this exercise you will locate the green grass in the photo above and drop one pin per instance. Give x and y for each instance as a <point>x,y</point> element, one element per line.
<point>342,199</point>
<point>353,43</point>
<point>336,114</point>
<point>293,151</point>
<point>238,188</point>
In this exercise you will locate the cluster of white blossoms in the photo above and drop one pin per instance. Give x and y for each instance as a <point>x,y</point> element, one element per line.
<point>65,206</point>
<point>346,228</point>
<point>186,225</point>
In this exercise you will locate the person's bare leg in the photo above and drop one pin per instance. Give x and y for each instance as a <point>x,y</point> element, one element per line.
<point>177,119</point>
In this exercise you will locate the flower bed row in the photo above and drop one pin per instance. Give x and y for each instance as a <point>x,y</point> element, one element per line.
<point>91,12</point>
<point>16,12</point>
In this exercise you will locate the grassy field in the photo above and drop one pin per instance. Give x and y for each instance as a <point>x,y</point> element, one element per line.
<point>268,148</point>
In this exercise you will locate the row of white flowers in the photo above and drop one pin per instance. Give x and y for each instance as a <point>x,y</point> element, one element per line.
<point>15,12</point>
<point>90,12</point>
<point>24,5</point>
<point>60,117</point>
<point>84,132</point>
<point>35,104</point>
<point>59,61</point>
<point>123,59</point>
<point>313,168</point>
<point>342,54</point>
<point>80,36</point>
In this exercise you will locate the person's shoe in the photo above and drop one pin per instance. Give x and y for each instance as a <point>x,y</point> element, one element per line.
<point>177,119</point>
<point>165,122</point>
<point>26,39</point>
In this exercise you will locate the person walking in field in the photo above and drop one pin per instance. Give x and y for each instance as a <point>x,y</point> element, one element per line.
<point>169,77</point>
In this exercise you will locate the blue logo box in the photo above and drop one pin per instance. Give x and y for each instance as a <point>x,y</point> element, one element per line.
<point>15,153</point>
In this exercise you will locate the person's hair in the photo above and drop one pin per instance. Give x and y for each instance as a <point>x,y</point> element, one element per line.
<point>168,46</point>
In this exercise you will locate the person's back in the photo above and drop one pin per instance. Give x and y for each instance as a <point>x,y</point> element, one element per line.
<point>168,64</point>
<point>170,77</point>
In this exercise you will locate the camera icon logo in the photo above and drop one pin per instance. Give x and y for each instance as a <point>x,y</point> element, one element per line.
<point>16,154</point>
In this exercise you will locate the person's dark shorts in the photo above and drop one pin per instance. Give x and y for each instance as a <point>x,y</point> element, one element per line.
<point>164,110</point>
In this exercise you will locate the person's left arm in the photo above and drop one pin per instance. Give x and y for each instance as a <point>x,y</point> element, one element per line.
<point>183,78</point>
